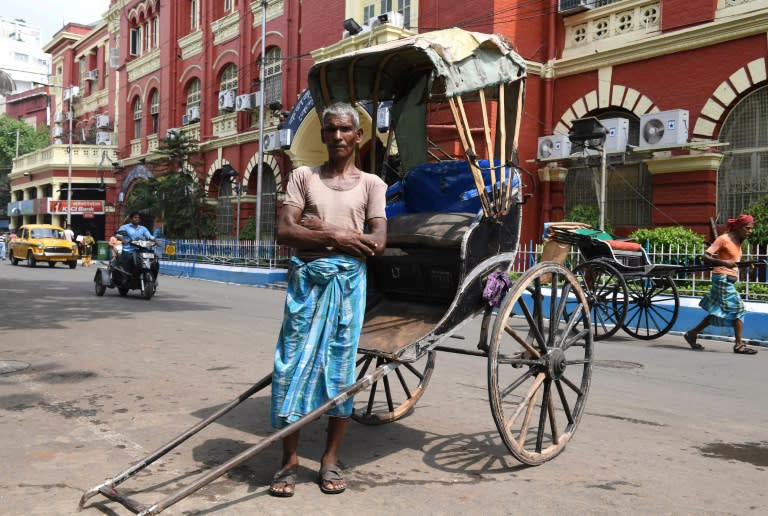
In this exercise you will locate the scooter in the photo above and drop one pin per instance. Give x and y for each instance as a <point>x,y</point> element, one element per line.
<point>144,267</point>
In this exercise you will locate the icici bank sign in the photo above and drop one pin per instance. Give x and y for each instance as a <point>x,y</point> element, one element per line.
<point>79,207</point>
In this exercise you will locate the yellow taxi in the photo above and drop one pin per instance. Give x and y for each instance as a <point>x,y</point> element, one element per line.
<point>42,243</point>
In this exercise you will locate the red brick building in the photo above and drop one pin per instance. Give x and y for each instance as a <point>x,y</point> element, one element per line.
<point>151,66</point>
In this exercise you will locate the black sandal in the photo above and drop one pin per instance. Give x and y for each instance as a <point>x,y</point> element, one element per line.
<point>692,342</point>
<point>284,479</point>
<point>742,349</point>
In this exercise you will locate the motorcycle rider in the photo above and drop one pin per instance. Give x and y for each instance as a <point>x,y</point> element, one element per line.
<point>128,232</point>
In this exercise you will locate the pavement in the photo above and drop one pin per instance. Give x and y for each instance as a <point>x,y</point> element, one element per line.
<point>90,385</point>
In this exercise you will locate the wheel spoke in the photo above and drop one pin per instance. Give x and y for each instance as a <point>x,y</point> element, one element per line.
<point>527,419</point>
<point>572,385</point>
<point>553,420</point>
<point>533,327</point>
<point>527,400</point>
<point>414,370</point>
<point>517,383</point>
<point>403,383</point>
<point>533,351</point>
<point>564,401</point>
<point>367,359</point>
<point>388,393</point>
<point>543,417</point>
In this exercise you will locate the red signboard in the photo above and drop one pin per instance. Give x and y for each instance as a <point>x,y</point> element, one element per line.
<point>78,207</point>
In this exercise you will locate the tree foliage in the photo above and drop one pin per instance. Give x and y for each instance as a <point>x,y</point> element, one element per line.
<point>30,139</point>
<point>759,210</point>
<point>588,215</point>
<point>173,195</point>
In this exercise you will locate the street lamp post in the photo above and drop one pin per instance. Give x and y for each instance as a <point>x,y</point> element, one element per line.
<point>70,116</point>
<point>260,170</point>
<point>238,191</point>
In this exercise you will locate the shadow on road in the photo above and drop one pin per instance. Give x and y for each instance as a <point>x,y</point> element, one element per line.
<point>47,303</point>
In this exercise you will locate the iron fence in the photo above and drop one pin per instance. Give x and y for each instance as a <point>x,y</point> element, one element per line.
<point>242,253</point>
<point>753,284</point>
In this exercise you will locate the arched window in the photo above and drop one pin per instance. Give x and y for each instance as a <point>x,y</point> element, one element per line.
<point>742,177</point>
<point>154,110</point>
<point>268,205</point>
<point>228,80</point>
<point>137,118</point>
<point>193,93</point>
<point>628,186</point>
<point>273,76</point>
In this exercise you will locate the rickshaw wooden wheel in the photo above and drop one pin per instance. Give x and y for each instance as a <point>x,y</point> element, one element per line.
<point>395,395</point>
<point>540,363</point>
<point>654,305</point>
<point>606,293</point>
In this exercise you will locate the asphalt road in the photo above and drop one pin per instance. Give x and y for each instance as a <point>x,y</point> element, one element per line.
<point>91,385</point>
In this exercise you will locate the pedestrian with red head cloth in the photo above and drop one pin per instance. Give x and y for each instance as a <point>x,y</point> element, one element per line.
<point>723,303</point>
<point>334,216</point>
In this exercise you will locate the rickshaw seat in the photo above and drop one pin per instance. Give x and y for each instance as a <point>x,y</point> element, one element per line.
<point>442,230</point>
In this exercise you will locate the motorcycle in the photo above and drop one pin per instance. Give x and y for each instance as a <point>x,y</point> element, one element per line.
<point>142,273</point>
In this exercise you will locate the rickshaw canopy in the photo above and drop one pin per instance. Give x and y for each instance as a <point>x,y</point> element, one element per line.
<point>437,65</point>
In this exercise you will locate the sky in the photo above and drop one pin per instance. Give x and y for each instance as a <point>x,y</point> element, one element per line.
<point>52,15</point>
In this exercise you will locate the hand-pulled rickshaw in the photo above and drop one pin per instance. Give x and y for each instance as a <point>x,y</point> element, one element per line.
<point>453,233</point>
<point>624,289</point>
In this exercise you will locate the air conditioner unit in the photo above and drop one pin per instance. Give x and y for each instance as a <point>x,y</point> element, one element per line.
<point>568,7</point>
<point>383,119</point>
<point>227,100</point>
<point>391,17</point>
<point>248,102</point>
<point>103,138</point>
<point>59,117</point>
<point>91,75</point>
<point>57,132</point>
<point>556,146</point>
<point>72,92</point>
<point>102,121</point>
<point>285,137</point>
<point>271,142</point>
<point>617,135</point>
<point>184,119</point>
<point>664,129</point>
<point>193,115</point>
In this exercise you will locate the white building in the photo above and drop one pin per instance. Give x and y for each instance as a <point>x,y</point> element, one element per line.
<point>21,54</point>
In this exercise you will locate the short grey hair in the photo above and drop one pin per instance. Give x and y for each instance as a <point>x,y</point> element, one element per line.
<point>342,109</point>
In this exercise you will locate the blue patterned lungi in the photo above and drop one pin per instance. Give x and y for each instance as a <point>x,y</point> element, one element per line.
<point>315,355</point>
<point>723,302</point>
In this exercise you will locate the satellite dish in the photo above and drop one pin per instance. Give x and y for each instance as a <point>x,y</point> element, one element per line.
<point>653,131</point>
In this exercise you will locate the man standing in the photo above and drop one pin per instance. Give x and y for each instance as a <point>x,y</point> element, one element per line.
<point>69,234</point>
<point>723,302</point>
<point>324,217</point>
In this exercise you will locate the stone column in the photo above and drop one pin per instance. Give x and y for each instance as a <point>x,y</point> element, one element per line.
<point>552,179</point>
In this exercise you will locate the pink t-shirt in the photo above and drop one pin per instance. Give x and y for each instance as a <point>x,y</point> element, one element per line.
<point>348,209</point>
<point>725,249</point>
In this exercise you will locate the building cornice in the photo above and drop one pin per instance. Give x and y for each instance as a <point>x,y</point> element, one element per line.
<point>690,163</point>
<point>713,33</point>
